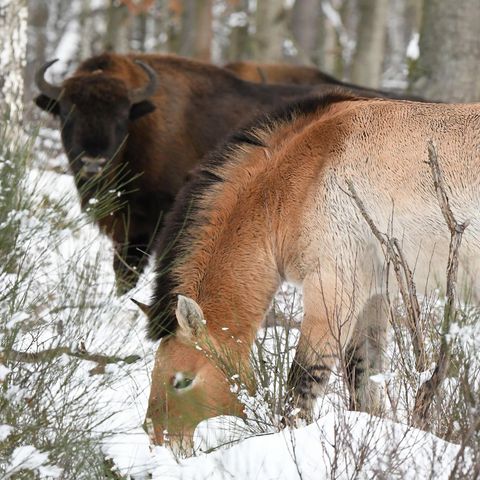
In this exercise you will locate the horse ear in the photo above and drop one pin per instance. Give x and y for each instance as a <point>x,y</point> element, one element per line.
<point>190,316</point>
<point>146,309</point>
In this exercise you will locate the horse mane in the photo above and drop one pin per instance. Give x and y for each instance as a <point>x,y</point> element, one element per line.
<point>188,211</point>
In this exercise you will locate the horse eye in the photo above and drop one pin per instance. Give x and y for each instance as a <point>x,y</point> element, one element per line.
<point>180,381</point>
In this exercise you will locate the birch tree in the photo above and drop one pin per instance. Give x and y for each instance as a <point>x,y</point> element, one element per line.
<point>13,32</point>
<point>38,13</point>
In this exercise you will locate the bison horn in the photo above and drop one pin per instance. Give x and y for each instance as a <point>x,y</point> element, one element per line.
<point>146,309</point>
<point>51,91</point>
<point>140,94</point>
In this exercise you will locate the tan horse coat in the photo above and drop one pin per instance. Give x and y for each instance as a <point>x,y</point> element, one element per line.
<point>281,211</point>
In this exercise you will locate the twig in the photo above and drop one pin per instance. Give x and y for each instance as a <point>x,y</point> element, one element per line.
<point>428,390</point>
<point>404,278</point>
<point>50,353</point>
<point>460,457</point>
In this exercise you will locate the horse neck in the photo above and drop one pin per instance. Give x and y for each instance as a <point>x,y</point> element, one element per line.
<point>234,282</point>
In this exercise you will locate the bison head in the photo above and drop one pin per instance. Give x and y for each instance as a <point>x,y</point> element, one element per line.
<point>95,109</point>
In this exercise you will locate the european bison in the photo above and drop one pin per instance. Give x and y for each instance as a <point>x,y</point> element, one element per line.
<point>284,73</point>
<point>259,72</point>
<point>134,125</point>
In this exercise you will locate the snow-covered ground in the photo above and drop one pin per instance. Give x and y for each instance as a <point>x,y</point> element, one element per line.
<point>340,444</point>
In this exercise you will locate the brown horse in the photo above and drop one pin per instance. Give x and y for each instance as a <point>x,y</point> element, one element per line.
<point>274,205</point>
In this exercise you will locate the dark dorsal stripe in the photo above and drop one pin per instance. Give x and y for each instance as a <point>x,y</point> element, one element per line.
<point>186,214</point>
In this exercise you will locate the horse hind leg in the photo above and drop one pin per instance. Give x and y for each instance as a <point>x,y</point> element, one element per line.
<point>364,357</point>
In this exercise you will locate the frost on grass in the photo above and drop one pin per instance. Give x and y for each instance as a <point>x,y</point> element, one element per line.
<point>29,458</point>
<point>57,295</point>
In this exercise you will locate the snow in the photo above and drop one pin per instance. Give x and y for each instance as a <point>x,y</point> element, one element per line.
<point>29,458</point>
<point>4,371</point>
<point>5,431</point>
<point>413,48</point>
<point>17,318</point>
<point>130,453</point>
<point>237,19</point>
<point>350,445</point>
<point>382,378</point>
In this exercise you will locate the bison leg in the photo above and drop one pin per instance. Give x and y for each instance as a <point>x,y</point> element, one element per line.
<point>128,264</point>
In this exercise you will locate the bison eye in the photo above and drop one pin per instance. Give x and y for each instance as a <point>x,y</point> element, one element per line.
<point>181,381</point>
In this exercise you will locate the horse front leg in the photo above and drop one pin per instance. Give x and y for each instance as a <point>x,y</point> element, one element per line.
<point>329,319</point>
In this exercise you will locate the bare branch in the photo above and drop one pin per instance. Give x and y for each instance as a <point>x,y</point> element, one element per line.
<point>429,389</point>
<point>404,278</point>
<point>50,353</point>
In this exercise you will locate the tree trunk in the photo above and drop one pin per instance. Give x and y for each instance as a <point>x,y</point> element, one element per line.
<point>413,13</point>
<point>37,44</point>
<point>338,26</point>
<point>13,31</point>
<point>117,35</point>
<point>197,29</point>
<point>368,57</point>
<point>174,12</point>
<point>304,24</point>
<point>239,42</point>
<point>448,68</point>
<point>333,31</point>
<point>270,30</point>
<point>398,38</point>
<point>139,33</point>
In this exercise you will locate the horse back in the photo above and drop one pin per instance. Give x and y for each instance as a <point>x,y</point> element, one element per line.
<point>381,149</point>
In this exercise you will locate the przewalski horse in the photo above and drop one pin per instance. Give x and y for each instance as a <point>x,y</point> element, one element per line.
<point>134,125</point>
<point>273,205</point>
